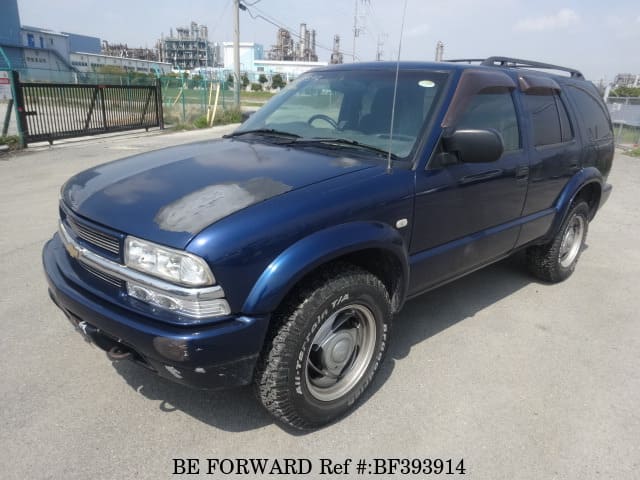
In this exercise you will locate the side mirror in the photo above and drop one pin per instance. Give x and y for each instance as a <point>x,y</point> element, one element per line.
<point>474,146</point>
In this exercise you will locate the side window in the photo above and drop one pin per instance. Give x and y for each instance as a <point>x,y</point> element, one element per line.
<point>592,114</point>
<point>493,109</point>
<point>545,118</point>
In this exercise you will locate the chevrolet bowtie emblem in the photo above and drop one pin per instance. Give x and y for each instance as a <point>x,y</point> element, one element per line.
<point>73,250</point>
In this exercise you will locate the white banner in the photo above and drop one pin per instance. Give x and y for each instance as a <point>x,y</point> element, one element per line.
<point>5,87</point>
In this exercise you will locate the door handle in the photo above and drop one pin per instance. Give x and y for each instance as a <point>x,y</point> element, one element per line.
<point>522,174</point>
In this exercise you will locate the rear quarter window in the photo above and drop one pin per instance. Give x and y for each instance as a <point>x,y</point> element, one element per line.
<point>592,114</point>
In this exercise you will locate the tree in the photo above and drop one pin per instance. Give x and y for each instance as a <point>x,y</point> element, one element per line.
<point>625,92</point>
<point>256,87</point>
<point>262,79</point>
<point>245,80</point>
<point>277,81</point>
<point>230,80</point>
<point>111,70</point>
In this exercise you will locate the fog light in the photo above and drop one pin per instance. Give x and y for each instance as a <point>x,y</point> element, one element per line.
<point>152,297</point>
<point>166,302</point>
<point>139,292</point>
<point>194,306</point>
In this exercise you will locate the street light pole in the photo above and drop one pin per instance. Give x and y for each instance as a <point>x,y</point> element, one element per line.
<point>236,53</point>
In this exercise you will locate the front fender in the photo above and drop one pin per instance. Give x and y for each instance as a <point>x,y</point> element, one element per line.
<point>282,274</point>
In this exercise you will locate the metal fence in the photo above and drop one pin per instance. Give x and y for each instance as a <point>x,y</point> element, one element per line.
<point>625,116</point>
<point>52,111</point>
<point>61,104</point>
<point>187,99</point>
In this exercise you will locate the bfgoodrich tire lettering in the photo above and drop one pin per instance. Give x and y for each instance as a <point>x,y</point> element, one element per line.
<point>556,261</point>
<point>327,344</point>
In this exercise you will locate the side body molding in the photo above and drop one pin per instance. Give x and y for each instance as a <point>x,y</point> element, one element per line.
<point>318,248</point>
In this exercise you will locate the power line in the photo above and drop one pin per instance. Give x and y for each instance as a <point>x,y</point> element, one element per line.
<point>277,23</point>
<point>221,17</point>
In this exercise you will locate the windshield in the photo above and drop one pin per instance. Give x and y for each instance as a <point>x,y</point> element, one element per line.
<point>353,107</point>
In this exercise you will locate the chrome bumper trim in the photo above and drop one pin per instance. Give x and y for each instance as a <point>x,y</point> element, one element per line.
<point>93,260</point>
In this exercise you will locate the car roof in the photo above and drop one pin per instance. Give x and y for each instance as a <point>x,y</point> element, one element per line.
<point>513,67</point>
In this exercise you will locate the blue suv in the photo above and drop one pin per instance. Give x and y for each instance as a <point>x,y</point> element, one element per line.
<point>280,254</point>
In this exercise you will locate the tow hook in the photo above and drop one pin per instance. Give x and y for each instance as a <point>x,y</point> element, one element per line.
<point>117,353</point>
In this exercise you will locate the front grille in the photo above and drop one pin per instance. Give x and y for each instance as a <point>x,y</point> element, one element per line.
<point>116,282</point>
<point>94,237</point>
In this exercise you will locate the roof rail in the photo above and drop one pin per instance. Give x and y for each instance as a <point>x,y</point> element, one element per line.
<point>518,63</point>
<point>465,60</point>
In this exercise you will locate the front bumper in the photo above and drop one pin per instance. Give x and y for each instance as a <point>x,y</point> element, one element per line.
<point>215,355</point>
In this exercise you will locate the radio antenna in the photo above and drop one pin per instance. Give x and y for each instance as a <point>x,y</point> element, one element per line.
<point>395,88</point>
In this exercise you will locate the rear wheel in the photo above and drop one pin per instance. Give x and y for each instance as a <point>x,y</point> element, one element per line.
<point>557,260</point>
<point>330,341</point>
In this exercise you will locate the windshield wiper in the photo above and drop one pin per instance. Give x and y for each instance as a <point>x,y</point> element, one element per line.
<point>263,131</point>
<point>344,142</point>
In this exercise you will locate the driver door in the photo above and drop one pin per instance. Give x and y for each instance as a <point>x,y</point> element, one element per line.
<point>466,213</point>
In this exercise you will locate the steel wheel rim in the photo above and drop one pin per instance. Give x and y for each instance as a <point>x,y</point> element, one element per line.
<point>571,241</point>
<point>340,352</point>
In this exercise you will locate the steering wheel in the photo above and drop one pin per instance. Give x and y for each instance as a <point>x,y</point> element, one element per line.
<point>326,118</point>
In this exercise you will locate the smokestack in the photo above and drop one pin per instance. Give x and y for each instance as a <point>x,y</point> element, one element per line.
<point>439,51</point>
<point>313,42</point>
<point>303,37</point>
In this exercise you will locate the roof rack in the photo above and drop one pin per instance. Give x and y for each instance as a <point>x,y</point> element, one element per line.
<point>465,60</point>
<point>517,63</point>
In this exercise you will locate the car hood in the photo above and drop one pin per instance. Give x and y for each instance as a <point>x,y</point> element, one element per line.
<point>170,195</point>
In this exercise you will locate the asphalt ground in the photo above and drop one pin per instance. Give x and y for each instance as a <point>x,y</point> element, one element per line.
<point>520,379</point>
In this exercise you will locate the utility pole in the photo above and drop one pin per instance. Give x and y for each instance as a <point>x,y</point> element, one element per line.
<point>356,28</point>
<point>236,53</point>
<point>380,47</point>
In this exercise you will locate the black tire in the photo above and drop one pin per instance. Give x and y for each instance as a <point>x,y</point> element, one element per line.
<point>552,262</point>
<point>342,307</point>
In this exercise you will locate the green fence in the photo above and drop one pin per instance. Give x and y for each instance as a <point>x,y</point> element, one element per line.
<point>195,100</point>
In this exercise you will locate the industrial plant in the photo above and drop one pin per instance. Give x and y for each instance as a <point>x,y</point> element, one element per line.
<point>188,49</point>
<point>123,50</point>
<point>286,49</point>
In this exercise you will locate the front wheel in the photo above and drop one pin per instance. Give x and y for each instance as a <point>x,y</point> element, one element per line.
<point>557,260</point>
<point>331,339</point>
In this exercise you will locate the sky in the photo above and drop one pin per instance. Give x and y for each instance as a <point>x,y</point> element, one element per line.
<point>599,38</point>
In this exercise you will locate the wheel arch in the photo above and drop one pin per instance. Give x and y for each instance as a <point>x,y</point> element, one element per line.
<point>373,246</point>
<point>585,185</point>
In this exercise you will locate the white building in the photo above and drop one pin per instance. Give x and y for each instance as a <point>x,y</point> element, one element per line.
<point>252,63</point>
<point>249,53</point>
<point>45,49</point>
<point>91,62</point>
<point>627,80</point>
<point>41,38</point>
<point>287,69</point>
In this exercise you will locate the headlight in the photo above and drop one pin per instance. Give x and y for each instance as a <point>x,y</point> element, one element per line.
<point>173,265</point>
